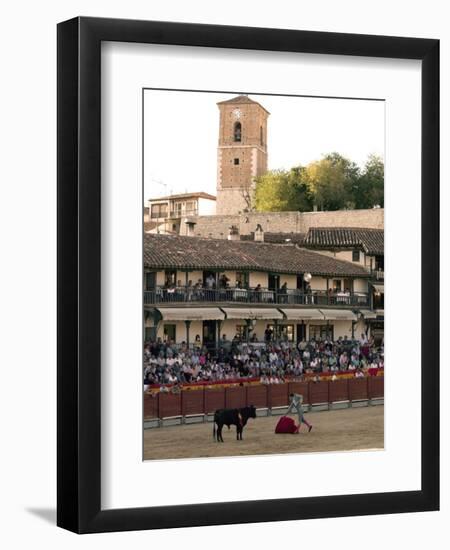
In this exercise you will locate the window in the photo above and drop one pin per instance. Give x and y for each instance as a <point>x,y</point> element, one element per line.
<point>191,208</point>
<point>242,279</point>
<point>159,211</point>
<point>355,255</point>
<point>241,332</point>
<point>287,332</point>
<point>261,135</point>
<point>170,332</point>
<point>320,332</point>
<point>348,285</point>
<point>337,285</point>
<point>236,162</point>
<point>170,277</point>
<point>150,280</point>
<point>237,131</point>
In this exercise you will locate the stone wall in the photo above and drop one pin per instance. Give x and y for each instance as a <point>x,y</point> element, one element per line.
<point>296,222</point>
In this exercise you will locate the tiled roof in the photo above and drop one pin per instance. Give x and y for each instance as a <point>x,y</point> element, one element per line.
<point>277,238</point>
<point>148,226</point>
<point>199,194</point>
<point>369,240</point>
<point>179,252</point>
<point>240,100</point>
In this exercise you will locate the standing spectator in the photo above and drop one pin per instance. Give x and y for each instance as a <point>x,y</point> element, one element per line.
<point>210,282</point>
<point>268,334</point>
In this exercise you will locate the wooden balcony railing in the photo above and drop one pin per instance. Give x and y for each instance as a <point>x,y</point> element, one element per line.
<point>378,274</point>
<point>180,295</point>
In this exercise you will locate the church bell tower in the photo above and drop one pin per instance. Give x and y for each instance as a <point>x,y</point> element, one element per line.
<point>241,154</point>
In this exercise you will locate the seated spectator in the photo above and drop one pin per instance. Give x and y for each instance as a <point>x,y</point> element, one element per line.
<point>273,362</point>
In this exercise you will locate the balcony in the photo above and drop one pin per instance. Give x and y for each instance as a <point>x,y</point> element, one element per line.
<point>377,274</point>
<point>179,213</point>
<point>189,295</point>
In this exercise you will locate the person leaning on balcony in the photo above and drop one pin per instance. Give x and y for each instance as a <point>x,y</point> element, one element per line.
<point>190,291</point>
<point>258,292</point>
<point>283,293</point>
<point>198,290</point>
<point>210,282</point>
<point>224,281</point>
<point>308,292</point>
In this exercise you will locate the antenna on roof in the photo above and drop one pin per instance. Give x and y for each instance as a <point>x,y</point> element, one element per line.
<point>159,182</point>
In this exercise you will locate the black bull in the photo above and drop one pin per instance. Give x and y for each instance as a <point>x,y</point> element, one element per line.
<point>237,417</point>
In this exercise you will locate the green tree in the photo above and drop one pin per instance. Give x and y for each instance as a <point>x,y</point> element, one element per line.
<point>331,182</point>
<point>370,186</point>
<point>283,190</point>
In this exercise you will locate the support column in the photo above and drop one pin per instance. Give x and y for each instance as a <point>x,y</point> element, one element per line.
<point>276,331</point>
<point>249,322</point>
<point>188,326</point>
<point>218,331</point>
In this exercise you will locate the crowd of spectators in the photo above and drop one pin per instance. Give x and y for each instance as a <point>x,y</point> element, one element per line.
<point>166,363</point>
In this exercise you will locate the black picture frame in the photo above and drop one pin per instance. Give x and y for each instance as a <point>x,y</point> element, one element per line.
<point>79,281</point>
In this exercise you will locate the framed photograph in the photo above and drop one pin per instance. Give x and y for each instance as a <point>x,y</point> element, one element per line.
<point>232,203</point>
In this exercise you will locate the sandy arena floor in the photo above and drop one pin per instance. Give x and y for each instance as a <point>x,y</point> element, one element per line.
<point>339,430</point>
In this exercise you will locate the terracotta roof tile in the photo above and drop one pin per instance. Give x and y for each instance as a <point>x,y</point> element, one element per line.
<point>179,252</point>
<point>369,240</point>
<point>277,238</point>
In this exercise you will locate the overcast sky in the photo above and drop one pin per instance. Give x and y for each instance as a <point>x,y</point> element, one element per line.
<point>181,134</point>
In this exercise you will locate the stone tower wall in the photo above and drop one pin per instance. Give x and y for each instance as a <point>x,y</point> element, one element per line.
<point>238,163</point>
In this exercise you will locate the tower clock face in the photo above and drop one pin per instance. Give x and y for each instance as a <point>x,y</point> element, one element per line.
<point>237,113</point>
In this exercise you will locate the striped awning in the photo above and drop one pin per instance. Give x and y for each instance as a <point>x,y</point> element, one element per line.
<point>339,315</point>
<point>303,314</point>
<point>367,314</point>
<point>191,313</point>
<point>252,313</point>
<point>378,287</point>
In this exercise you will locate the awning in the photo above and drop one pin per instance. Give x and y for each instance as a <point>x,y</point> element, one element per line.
<point>303,314</point>
<point>252,313</point>
<point>367,314</point>
<point>339,315</point>
<point>378,287</point>
<point>191,313</point>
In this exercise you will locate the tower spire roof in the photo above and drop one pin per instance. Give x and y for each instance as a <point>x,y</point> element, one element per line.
<point>241,100</point>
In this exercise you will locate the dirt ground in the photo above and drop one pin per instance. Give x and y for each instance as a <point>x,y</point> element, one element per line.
<point>338,430</point>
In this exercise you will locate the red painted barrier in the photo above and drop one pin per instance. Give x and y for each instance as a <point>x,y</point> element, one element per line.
<point>169,404</point>
<point>357,388</point>
<point>192,402</point>
<point>208,400</point>
<point>318,392</point>
<point>150,406</point>
<point>278,395</point>
<point>376,387</point>
<point>235,397</point>
<point>214,399</point>
<point>338,391</point>
<point>257,396</point>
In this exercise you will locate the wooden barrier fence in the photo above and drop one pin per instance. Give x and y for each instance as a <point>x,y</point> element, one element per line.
<point>208,400</point>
